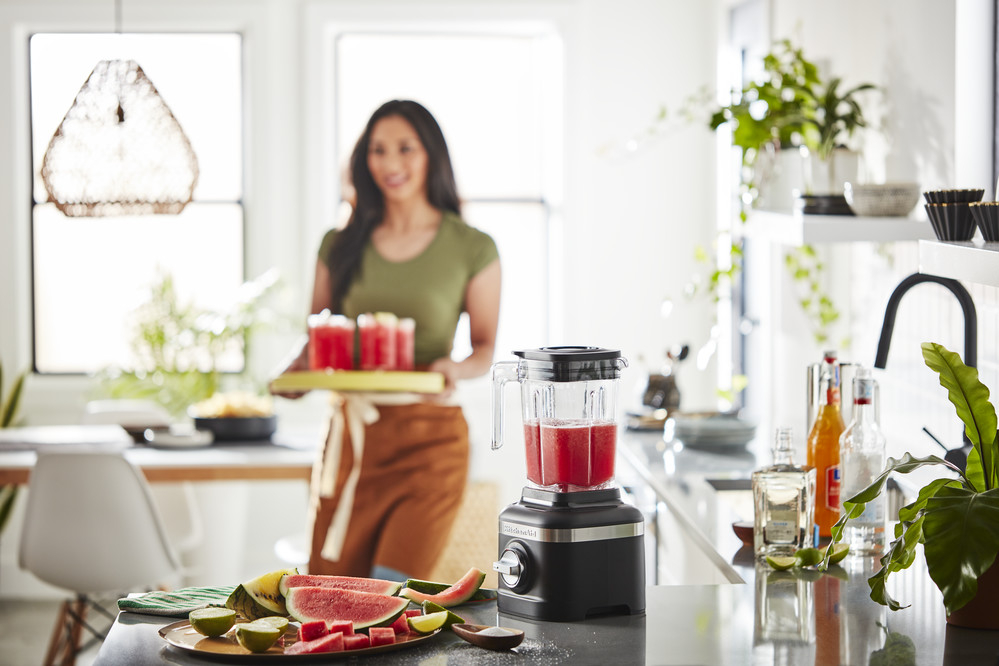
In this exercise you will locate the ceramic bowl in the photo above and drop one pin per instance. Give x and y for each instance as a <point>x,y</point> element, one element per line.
<point>986,215</point>
<point>238,428</point>
<point>951,221</point>
<point>954,196</point>
<point>884,200</point>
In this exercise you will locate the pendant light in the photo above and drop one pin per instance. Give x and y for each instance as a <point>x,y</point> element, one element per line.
<point>119,150</point>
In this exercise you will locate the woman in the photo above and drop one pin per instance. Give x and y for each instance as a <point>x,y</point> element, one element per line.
<point>387,487</point>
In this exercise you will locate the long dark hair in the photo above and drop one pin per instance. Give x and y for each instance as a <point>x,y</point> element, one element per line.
<point>369,209</point>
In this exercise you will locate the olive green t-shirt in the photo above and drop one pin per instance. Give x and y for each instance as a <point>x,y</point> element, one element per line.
<point>430,288</point>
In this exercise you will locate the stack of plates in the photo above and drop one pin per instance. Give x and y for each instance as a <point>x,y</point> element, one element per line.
<point>712,430</point>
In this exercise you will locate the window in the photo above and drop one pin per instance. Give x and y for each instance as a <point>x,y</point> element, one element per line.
<point>498,104</point>
<point>89,273</point>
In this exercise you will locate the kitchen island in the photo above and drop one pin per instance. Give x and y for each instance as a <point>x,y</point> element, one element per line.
<point>751,616</point>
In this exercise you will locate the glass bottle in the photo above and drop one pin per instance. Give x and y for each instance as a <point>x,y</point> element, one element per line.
<point>862,459</point>
<point>823,448</point>
<point>784,501</point>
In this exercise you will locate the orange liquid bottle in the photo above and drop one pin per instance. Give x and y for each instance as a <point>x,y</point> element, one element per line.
<point>823,449</point>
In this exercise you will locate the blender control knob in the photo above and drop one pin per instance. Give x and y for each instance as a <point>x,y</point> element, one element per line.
<point>510,566</point>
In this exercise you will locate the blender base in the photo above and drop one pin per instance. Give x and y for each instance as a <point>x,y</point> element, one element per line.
<point>569,556</point>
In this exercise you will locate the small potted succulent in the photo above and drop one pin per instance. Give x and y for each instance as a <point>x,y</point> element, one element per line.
<point>955,517</point>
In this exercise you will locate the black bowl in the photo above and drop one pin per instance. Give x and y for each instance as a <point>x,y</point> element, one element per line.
<point>951,221</point>
<point>986,214</point>
<point>954,196</point>
<point>238,428</point>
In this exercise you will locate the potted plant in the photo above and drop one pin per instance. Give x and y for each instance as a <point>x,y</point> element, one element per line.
<point>955,517</point>
<point>179,348</point>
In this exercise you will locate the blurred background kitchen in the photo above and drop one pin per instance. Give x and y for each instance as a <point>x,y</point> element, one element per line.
<point>578,148</point>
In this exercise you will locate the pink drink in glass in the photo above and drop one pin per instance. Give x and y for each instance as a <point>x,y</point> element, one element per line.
<point>331,343</point>
<point>405,347</point>
<point>532,447</point>
<point>378,341</point>
<point>575,453</point>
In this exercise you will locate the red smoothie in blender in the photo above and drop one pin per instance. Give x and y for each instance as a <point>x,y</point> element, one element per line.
<point>570,453</point>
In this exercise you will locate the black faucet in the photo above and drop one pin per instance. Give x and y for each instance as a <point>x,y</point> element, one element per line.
<point>957,456</point>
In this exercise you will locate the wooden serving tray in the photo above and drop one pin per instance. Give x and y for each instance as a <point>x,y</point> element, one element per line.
<point>360,380</point>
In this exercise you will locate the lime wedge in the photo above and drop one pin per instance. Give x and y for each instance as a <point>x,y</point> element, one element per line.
<point>276,621</point>
<point>839,551</point>
<point>808,557</point>
<point>430,607</point>
<point>257,636</point>
<point>425,624</point>
<point>781,563</point>
<point>212,621</point>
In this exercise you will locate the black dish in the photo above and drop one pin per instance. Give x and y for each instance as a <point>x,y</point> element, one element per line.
<point>986,216</point>
<point>237,429</point>
<point>951,221</point>
<point>969,195</point>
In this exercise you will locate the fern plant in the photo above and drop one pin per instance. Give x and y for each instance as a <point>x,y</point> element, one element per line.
<point>8,414</point>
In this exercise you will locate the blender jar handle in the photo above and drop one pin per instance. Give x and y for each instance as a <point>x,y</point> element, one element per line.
<point>503,372</point>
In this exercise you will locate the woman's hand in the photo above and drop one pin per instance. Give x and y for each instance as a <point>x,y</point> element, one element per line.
<point>451,372</point>
<point>299,363</point>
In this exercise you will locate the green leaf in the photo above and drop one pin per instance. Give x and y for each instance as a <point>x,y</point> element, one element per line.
<point>8,494</point>
<point>909,512</point>
<point>960,541</point>
<point>901,554</point>
<point>8,411</point>
<point>971,400</point>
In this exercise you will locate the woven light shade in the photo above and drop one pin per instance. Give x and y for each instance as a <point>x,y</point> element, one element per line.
<point>119,150</point>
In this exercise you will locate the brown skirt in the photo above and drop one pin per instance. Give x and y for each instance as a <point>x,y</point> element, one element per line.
<point>413,474</point>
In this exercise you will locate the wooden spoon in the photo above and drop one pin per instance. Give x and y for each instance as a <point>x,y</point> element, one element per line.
<point>470,633</point>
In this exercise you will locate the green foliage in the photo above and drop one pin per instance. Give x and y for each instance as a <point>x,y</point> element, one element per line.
<point>8,415</point>
<point>956,519</point>
<point>179,349</point>
<point>806,269</point>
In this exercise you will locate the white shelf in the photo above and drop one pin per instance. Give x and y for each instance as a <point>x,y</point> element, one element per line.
<point>799,229</point>
<point>971,261</point>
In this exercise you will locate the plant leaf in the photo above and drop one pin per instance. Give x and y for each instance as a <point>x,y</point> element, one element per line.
<point>909,513</point>
<point>10,405</point>
<point>8,494</point>
<point>971,400</point>
<point>901,554</point>
<point>960,541</point>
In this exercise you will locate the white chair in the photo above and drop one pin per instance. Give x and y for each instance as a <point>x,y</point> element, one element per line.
<point>91,527</point>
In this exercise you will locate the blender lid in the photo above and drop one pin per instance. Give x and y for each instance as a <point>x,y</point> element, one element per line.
<point>570,364</point>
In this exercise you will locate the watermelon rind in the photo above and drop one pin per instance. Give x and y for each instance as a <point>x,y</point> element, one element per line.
<point>457,594</point>
<point>373,585</point>
<point>434,587</point>
<point>364,609</point>
<point>260,597</point>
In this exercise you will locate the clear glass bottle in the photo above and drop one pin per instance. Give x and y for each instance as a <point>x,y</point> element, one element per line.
<point>862,459</point>
<point>784,501</point>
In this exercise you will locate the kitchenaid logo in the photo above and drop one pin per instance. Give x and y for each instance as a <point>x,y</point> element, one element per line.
<point>521,531</point>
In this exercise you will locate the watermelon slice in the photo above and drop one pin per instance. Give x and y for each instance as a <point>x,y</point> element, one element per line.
<point>356,642</point>
<point>364,609</point>
<point>330,643</point>
<point>433,587</point>
<point>458,593</point>
<point>381,636</point>
<point>310,631</point>
<point>373,585</point>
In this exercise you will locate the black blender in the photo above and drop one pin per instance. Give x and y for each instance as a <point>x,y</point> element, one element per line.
<point>570,548</point>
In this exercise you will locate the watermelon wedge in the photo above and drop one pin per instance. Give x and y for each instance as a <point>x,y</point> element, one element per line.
<point>434,587</point>
<point>458,593</point>
<point>373,585</point>
<point>364,609</point>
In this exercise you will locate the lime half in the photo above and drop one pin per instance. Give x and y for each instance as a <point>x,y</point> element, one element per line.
<point>781,563</point>
<point>257,636</point>
<point>425,624</point>
<point>808,557</point>
<point>839,551</point>
<point>212,621</point>
<point>430,607</point>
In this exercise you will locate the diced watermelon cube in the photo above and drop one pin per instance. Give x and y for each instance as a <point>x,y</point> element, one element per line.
<point>413,612</point>
<point>310,631</point>
<point>381,636</point>
<point>356,642</point>
<point>345,627</point>
<point>401,626</point>
<point>328,643</point>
